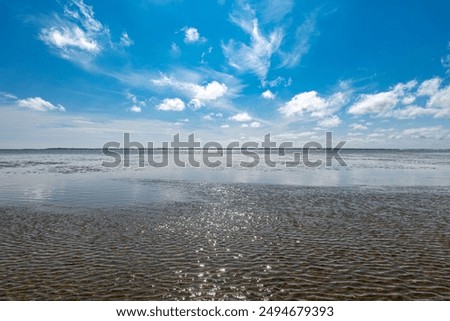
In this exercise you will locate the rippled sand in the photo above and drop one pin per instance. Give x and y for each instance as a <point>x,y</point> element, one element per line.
<point>234,242</point>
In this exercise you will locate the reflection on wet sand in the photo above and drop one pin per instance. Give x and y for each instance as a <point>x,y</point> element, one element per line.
<point>232,242</point>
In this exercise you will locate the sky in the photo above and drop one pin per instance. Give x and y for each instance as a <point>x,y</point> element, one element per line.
<point>80,73</point>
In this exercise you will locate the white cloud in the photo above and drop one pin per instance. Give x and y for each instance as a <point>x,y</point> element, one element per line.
<point>198,95</point>
<point>411,112</point>
<point>253,57</point>
<point>255,124</point>
<point>209,92</point>
<point>275,11</point>
<point>397,101</point>
<point>436,132</point>
<point>357,127</point>
<point>77,35</point>
<point>135,109</point>
<point>408,100</point>
<point>125,40</point>
<point>8,95</point>
<point>191,35</point>
<point>137,104</point>
<point>429,87</point>
<point>39,104</point>
<point>132,98</point>
<point>375,136</point>
<point>440,99</point>
<point>171,104</point>
<point>225,126</point>
<point>208,117</point>
<point>330,122</point>
<point>268,95</point>
<point>242,117</point>
<point>383,103</point>
<point>279,81</point>
<point>69,37</point>
<point>312,104</point>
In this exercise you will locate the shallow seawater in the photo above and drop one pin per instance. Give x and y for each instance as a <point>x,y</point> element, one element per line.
<point>72,230</point>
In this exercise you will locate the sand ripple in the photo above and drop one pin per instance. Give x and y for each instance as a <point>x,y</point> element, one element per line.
<point>255,242</point>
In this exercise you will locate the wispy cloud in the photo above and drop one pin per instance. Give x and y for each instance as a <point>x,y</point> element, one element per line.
<point>275,11</point>
<point>256,55</point>
<point>7,95</point>
<point>125,40</point>
<point>136,103</point>
<point>301,44</point>
<point>38,104</point>
<point>77,35</point>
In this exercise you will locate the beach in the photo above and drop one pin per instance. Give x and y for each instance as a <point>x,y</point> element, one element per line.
<point>72,230</point>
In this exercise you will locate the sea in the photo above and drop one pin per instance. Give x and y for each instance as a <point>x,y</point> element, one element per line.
<point>377,228</point>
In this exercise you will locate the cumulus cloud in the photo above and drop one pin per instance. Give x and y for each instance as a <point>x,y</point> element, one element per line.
<point>311,104</point>
<point>209,92</point>
<point>77,34</point>
<point>440,99</point>
<point>198,95</point>
<point>429,87</point>
<point>39,104</point>
<point>191,35</point>
<point>171,104</point>
<point>268,95</point>
<point>381,103</point>
<point>397,102</point>
<point>242,117</point>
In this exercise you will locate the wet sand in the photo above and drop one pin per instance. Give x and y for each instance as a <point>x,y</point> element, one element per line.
<point>233,242</point>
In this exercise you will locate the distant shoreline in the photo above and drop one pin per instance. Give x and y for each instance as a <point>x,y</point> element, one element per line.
<point>200,149</point>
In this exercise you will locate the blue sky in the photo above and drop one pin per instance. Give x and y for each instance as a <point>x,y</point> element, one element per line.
<point>79,73</point>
